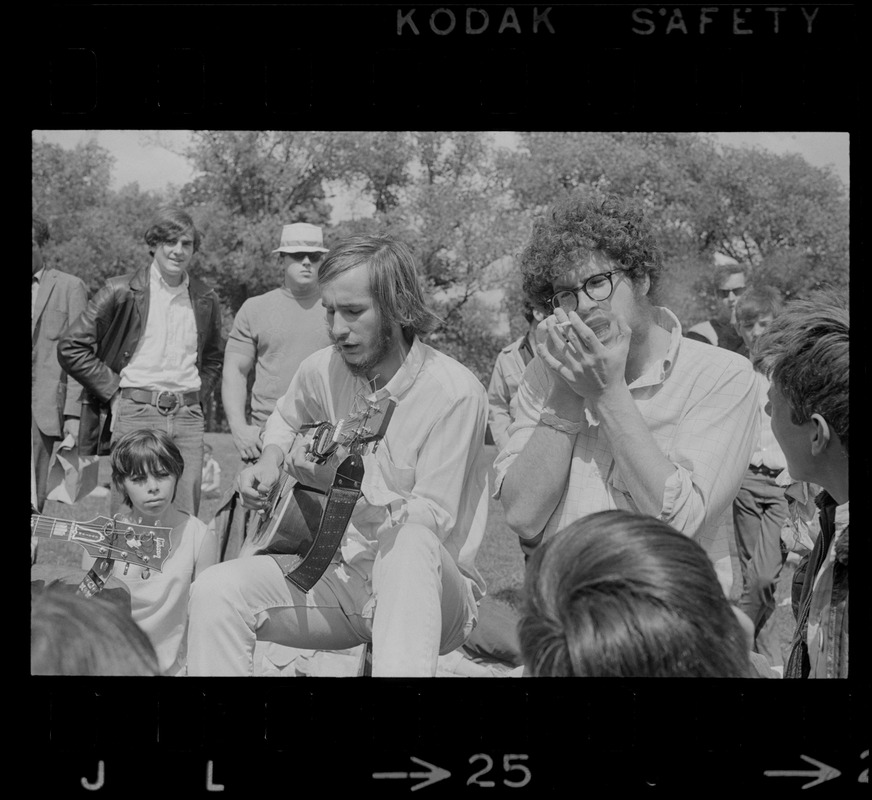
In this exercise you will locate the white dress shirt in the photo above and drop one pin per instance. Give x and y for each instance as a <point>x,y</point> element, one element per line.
<point>430,468</point>
<point>166,354</point>
<point>702,406</point>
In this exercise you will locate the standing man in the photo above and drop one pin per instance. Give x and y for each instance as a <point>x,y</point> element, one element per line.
<point>506,376</point>
<point>272,334</point>
<point>56,299</point>
<point>148,349</point>
<point>805,352</point>
<point>619,410</point>
<point>404,575</point>
<point>730,282</point>
<point>760,507</point>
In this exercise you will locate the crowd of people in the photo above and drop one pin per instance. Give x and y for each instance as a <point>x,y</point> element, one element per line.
<point>629,451</point>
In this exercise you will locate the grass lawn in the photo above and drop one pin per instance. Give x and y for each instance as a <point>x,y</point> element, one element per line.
<point>499,560</point>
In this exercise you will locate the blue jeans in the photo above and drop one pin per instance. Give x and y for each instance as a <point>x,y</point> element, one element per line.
<point>185,426</point>
<point>759,511</point>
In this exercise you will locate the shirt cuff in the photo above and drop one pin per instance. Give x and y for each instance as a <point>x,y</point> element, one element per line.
<point>560,424</point>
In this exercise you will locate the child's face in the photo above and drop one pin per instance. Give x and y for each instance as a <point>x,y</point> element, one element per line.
<point>151,495</point>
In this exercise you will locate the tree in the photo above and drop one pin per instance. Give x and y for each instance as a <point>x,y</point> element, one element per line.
<point>95,232</point>
<point>785,219</point>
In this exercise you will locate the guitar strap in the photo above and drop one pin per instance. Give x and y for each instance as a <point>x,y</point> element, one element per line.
<point>340,503</point>
<point>96,578</point>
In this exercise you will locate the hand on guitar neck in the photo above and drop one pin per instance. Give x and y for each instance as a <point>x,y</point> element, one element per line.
<point>316,455</point>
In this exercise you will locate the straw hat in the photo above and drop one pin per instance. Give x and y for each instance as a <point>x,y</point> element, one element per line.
<point>301,237</point>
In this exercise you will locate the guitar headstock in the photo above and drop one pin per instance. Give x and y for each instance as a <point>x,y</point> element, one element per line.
<point>143,545</point>
<point>367,423</point>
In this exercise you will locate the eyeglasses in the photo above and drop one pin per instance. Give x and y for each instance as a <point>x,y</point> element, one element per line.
<point>725,293</point>
<point>596,287</point>
<point>313,257</point>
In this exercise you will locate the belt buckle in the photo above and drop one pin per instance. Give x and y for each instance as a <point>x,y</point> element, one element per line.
<point>166,410</point>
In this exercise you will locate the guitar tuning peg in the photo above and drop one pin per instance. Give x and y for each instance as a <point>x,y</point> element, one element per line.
<point>146,573</point>
<point>126,568</point>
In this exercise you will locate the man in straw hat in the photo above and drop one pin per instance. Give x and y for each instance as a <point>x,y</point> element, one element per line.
<point>272,334</point>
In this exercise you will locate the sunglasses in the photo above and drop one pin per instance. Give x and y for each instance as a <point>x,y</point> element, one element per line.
<point>313,257</point>
<point>725,293</point>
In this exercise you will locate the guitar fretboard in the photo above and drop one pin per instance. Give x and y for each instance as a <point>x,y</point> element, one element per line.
<point>68,530</point>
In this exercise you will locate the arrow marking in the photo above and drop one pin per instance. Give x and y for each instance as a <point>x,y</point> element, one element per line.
<point>821,774</point>
<point>432,775</point>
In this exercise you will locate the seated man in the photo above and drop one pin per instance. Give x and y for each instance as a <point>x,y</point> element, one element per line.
<point>805,352</point>
<point>619,410</point>
<point>621,595</point>
<point>404,576</point>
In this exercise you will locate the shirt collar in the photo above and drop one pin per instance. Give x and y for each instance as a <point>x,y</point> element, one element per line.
<point>659,370</point>
<point>37,278</point>
<point>157,279</point>
<point>407,373</point>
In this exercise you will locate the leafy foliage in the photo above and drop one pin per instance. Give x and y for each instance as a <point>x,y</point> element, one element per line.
<point>464,203</point>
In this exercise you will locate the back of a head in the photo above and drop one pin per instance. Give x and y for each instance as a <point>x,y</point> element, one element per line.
<point>618,594</point>
<point>72,635</point>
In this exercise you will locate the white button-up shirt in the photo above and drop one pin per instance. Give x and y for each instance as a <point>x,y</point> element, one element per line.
<point>430,468</point>
<point>166,355</point>
<point>702,406</point>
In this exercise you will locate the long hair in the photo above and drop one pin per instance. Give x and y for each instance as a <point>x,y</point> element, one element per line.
<point>393,279</point>
<point>143,452</point>
<point>618,594</point>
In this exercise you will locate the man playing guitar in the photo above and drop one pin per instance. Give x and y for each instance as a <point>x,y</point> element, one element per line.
<point>404,576</point>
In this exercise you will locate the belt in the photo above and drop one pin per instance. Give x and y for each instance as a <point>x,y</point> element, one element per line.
<point>165,402</point>
<point>762,469</point>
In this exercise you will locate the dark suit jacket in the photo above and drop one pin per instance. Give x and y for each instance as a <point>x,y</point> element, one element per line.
<point>60,300</point>
<point>97,346</point>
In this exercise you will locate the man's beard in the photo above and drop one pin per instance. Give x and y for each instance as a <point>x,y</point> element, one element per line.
<point>383,347</point>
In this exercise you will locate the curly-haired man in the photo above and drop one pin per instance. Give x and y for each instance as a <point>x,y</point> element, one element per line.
<point>619,410</point>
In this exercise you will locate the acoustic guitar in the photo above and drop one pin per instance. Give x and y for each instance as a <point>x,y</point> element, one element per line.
<point>295,514</point>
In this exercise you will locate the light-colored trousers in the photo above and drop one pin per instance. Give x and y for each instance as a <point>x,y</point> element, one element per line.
<point>417,606</point>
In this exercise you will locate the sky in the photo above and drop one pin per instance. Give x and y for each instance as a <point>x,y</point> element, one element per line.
<point>151,158</point>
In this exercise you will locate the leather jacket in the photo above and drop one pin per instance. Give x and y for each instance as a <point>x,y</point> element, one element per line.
<point>100,343</point>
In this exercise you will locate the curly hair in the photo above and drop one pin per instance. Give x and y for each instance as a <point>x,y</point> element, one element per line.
<point>805,352</point>
<point>168,225</point>
<point>618,594</point>
<point>576,226</point>
<point>40,229</point>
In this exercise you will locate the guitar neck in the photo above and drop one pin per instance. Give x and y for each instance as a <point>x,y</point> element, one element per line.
<point>64,529</point>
